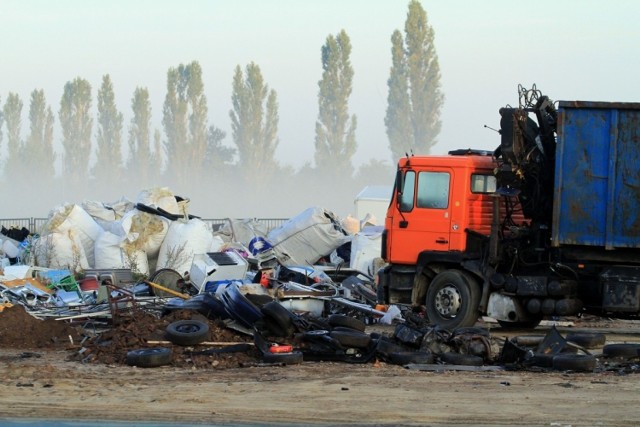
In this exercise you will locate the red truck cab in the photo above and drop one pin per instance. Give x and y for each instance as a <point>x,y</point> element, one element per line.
<point>436,201</point>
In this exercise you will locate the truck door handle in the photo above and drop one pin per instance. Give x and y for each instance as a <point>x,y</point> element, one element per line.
<point>442,241</point>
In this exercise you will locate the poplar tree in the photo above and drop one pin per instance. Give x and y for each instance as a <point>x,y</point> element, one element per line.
<point>76,123</point>
<point>108,166</point>
<point>140,160</point>
<point>335,141</point>
<point>414,87</point>
<point>185,122</point>
<point>254,123</point>
<point>13,118</point>
<point>39,156</point>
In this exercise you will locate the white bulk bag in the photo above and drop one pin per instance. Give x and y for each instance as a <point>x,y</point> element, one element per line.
<point>73,217</point>
<point>60,250</point>
<point>183,240</point>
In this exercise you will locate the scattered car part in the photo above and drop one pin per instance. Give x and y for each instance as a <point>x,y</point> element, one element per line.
<point>351,339</point>
<point>277,319</point>
<point>277,348</point>
<point>238,306</point>
<point>628,350</point>
<point>149,357</point>
<point>293,358</point>
<point>168,278</point>
<point>461,359</point>
<point>574,362</point>
<point>587,340</point>
<point>407,357</point>
<point>187,332</point>
<point>347,321</point>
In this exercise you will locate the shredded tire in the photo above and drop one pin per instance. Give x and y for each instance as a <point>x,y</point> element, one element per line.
<point>574,362</point>
<point>149,357</point>
<point>408,357</point>
<point>278,319</point>
<point>187,332</point>
<point>347,321</point>
<point>542,360</point>
<point>621,350</point>
<point>293,358</point>
<point>587,340</point>
<point>351,339</point>
<point>461,359</point>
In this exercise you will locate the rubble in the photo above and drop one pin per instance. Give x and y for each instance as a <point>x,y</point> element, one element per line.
<point>147,284</point>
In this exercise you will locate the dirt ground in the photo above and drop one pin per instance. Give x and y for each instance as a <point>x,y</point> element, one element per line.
<point>47,380</point>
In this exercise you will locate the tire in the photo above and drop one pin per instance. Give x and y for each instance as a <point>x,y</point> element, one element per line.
<point>351,339</point>
<point>169,279</point>
<point>385,348</point>
<point>407,357</point>
<point>452,300</point>
<point>529,340</point>
<point>274,313</point>
<point>187,332</point>
<point>574,362</point>
<point>293,358</point>
<point>527,324</point>
<point>542,360</point>
<point>587,340</point>
<point>149,357</point>
<point>470,330</point>
<point>621,350</point>
<point>347,321</point>
<point>461,359</point>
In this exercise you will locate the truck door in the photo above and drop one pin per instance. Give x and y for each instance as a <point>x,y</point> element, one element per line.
<point>424,220</point>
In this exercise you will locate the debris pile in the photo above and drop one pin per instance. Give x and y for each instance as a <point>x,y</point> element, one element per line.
<point>147,284</point>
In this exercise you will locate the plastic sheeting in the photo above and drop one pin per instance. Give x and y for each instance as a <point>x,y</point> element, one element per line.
<point>307,237</point>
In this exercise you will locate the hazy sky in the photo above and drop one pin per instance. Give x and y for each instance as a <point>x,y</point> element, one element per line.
<point>585,50</point>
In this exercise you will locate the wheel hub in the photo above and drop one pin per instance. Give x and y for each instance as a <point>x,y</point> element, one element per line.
<point>448,301</point>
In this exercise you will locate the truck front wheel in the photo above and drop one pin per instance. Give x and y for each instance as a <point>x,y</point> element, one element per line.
<point>452,299</point>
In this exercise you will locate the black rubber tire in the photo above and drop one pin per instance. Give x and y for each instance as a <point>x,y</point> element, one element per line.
<point>542,360</point>
<point>628,350</point>
<point>442,287</point>
<point>384,348</point>
<point>168,278</point>
<point>346,321</point>
<point>587,340</point>
<point>149,357</point>
<point>461,359</point>
<point>574,362</point>
<point>293,358</point>
<point>529,324</point>
<point>351,339</point>
<point>187,332</point>
<point>470,330</point>
<point>407,357</point>
<point>528,340</point>
<point>281,317</point>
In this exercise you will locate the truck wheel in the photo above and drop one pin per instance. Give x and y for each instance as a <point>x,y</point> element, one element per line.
<point>452,300</point>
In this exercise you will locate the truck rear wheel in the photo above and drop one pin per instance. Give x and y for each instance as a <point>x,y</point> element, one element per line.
<point>452,300</point>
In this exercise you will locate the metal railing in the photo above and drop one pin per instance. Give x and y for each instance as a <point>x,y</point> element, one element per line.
<point>34,225</point>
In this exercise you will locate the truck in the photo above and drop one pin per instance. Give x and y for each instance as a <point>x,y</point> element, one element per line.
<point>545,226</point>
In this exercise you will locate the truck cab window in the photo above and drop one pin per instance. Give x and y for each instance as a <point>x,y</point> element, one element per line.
<point>408,191</point>
<point>433,190</point>
<point>483,183</point>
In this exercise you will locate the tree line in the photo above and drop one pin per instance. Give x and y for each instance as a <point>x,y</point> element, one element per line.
<point>189,155</point>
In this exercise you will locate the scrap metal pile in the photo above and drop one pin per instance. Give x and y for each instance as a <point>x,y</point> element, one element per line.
<point>147,284</point>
